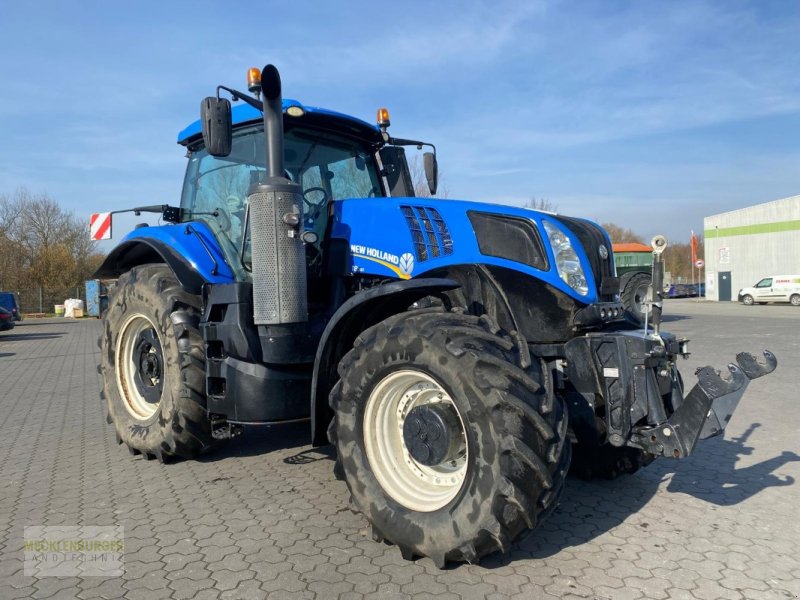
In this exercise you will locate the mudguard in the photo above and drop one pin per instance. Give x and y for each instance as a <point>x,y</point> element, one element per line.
<point>190,249</point>
<point>352,317</point>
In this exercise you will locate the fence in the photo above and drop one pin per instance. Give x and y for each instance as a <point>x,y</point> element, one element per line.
<point>43,300</point>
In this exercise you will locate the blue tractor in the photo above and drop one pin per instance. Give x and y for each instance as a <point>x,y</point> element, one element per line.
<point>458,355</point>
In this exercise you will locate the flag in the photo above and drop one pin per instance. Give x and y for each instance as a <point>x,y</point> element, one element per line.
<point>694,248</point>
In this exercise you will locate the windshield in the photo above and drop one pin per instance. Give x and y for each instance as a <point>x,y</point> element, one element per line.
<point>326,165</point>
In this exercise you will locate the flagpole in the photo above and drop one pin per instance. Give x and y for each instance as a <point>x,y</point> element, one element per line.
<point>692,247</point>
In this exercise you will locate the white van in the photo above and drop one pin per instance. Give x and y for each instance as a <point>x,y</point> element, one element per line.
<point>777,288</point>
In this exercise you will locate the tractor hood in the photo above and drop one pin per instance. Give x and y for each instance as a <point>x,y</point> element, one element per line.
<point>409,237</point>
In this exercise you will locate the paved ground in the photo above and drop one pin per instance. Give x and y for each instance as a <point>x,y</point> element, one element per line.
<point>265,517</point>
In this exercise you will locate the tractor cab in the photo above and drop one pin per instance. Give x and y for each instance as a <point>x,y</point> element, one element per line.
<point>329,155</point>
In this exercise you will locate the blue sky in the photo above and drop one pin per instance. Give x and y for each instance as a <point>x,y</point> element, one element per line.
<point>648,114</point>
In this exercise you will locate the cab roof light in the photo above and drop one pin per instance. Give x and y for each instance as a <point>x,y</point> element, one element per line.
<point>254,80</point>
<point>383,119</point>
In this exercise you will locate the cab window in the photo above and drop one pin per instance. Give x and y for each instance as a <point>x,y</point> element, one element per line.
<point>764,283</point>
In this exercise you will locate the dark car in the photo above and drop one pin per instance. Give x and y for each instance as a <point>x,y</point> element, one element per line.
<point>8,300</point>
<point>6,319</point>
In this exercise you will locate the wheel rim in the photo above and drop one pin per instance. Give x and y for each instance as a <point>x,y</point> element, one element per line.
<point>140,366</point>
<point>795,300</point>
<point>414,485</point>
<point>748,300</point>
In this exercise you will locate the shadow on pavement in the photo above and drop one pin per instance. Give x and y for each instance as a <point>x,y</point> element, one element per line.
<point>717,480</point>
<point>5,354</point>
<point>668,318</point>
<point>18,337</point>
<point>263,439</point>
<point>32,323</point>
<point>589,509</point>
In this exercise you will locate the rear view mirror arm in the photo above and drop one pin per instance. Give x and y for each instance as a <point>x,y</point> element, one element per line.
<point>237,95</point>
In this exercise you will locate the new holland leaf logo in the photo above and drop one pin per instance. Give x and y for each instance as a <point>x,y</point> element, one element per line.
<point>407,263</point>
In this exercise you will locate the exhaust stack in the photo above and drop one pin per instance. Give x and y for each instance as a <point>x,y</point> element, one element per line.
<point>276,219</point>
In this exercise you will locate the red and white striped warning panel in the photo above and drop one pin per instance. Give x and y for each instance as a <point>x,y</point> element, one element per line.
<point>100,226</point>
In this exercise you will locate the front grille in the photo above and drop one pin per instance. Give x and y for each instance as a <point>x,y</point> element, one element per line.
<point>429,232</point>
<point>591,237</point>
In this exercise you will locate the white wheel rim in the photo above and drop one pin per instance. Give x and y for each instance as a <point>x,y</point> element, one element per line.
<point>418,487</point>
<point>127,368</point>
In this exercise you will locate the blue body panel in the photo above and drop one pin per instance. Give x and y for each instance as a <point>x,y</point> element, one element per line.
<point>244,113</point>
<point>187,245</point>
<point>381,243</point>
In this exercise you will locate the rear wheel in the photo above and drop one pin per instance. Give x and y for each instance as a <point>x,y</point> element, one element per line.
<point>795,300</point>
<point>747,300</point>
<point>634,296</point>
<point>153,366</point>
<point>449,448</point>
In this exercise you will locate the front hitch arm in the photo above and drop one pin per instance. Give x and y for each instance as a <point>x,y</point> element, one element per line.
<point>707,409</point>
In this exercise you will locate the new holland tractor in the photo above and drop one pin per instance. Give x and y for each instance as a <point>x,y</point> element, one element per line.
<point>458,355</point>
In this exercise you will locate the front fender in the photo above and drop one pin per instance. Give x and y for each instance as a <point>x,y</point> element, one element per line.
<point>354,316</point>
<point>190,250</point>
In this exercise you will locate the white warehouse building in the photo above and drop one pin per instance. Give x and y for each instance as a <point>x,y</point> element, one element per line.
<point>744,246</point>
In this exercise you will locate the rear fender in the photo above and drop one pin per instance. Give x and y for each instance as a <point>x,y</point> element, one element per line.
<point>190,250</point>
<point>354,316</point>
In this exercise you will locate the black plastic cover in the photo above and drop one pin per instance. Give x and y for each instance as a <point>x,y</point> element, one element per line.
<point>509,237</point>
<point>395,168</point>
<point>592,237</point>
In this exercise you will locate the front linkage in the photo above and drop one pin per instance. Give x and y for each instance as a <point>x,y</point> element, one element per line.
<point>634,373</point>
<point>644,403</point>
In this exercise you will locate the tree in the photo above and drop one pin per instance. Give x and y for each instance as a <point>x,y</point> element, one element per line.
<point>678,261</point>
<point>621,235</point>
<point>45,249</point>
<point>541,204</point>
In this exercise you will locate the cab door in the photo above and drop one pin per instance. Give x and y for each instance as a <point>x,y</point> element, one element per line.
<point>763,290</point>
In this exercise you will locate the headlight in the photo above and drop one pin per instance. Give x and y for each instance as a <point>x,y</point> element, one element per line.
<point>567,261</point>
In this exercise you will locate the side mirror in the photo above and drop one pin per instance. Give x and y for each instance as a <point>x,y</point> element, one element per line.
<point>215,116</point>
<point>431,171</point>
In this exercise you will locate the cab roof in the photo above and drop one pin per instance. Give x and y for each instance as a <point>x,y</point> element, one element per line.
<point>244,113</point>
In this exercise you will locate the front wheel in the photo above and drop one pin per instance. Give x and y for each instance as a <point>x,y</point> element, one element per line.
<point>153,366</point>
<point>747,300</point>
<point>449,448</point>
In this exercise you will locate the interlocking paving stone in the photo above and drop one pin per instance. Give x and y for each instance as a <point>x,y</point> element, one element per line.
<point>264,517</point>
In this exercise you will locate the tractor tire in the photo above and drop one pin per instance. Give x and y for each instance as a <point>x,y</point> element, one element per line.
<point>152,362</point>
<point>506,457</point>
<point>607,461</point>
<point>634,295</point>
<point>747,300</point>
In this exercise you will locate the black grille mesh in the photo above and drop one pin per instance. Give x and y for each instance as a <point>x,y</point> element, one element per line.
<point>429,232</point>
